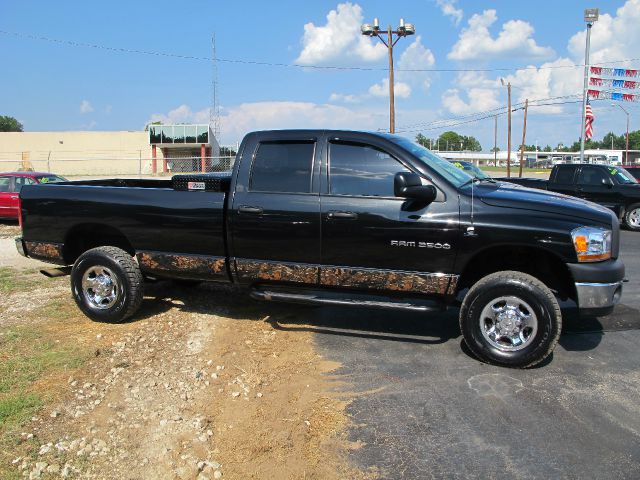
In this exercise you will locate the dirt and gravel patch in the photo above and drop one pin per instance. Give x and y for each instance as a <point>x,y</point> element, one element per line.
<point>201,385</point>
<point>9,229</point>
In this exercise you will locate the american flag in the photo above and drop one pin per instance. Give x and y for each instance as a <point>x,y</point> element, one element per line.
<point>589,117</point>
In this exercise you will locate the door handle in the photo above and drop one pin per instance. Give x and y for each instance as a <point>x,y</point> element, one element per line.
<point>250,209</point>
<point>342,215</point>
<point>13,197</point>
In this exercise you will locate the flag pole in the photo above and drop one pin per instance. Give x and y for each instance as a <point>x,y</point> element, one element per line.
<point>591,15</point>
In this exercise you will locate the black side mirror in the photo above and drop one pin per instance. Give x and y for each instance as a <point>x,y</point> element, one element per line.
<point>409,185</point>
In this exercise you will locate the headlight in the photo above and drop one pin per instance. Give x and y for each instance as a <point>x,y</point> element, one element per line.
<point>592,244</point>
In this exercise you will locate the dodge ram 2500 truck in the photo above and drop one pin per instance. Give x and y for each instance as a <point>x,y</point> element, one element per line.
<point>339,218</point>
<point>610,186</point>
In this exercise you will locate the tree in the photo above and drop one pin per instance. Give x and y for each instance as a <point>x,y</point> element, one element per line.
<point>9,124</point>
<point>422,140</point>
<point>453,141</point>
<point>495,149</point>
<point>634,140</point>
<point>472,144</point>
<point>547,148</point>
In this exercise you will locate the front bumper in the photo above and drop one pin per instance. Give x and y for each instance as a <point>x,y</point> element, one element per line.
<point>598,285</point>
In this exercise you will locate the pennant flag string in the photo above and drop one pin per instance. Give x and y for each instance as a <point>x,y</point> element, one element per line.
<point>618,96</point>
<point>615,72</point>
<point>615,83</point>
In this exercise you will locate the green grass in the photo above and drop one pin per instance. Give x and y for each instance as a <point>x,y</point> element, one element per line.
<point>16,409</point>
<point>12,280</point>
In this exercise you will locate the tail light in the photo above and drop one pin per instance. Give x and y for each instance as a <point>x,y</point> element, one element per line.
<point>20,212</point>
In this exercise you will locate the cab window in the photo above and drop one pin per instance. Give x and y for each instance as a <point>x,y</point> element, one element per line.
<point>282,167</point>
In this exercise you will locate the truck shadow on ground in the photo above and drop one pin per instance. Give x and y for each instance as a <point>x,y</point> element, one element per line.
<point>579,333</point>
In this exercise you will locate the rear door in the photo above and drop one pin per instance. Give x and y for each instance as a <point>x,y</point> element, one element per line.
<point>275,211</point>
<point>8,197</point>
<point>563,180</point>
<point>374,240</point>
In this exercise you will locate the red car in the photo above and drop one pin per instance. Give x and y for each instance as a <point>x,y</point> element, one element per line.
<point>12,183</point>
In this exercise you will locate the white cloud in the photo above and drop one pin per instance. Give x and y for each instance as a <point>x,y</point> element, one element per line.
<point>612,37</point>
<point>415,56</point>
<point>448,9</point>
<point>339,40</point>
<point>381,89</point>
<point>514,40</point>
<point>478,100</point>
<point>246,117</point>
<point>181,114</point>
<point>85,107</point>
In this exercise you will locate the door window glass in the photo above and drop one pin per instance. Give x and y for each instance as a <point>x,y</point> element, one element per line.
<point>565,174</point>
<point>4,184</point>
<point>282,167</point>
<point>591,176</point>
<point>22,181</point>
<point>359,169</point>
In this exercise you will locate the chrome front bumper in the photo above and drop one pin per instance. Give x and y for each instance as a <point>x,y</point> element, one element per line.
<point>598,295</point>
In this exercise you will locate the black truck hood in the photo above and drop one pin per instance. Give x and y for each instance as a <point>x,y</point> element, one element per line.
<point>509,195</point>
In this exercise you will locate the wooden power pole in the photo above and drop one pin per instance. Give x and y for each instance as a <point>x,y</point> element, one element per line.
<point>509,131</point>
<point>524,135</point>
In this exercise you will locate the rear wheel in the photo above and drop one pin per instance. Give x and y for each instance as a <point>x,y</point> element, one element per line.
<point>632,217</point>
<point>511,319</point>
<point>107,284</point>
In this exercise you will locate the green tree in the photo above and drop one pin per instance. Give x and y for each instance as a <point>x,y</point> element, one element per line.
<point>471,144</point>
<point>9,124</point>
<point>495,149</point>
<point>547,148</point>
<point>422,140</point>
<point>634,140</point>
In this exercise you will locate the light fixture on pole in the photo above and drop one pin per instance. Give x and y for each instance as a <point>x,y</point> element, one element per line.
<point>403,30</point>
<point>590,16</point>
<point>626,151</point>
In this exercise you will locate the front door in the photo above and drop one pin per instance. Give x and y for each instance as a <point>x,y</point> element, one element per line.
<point>275,215</point>
<point>8,198</point>
<point>594,184</point>
<point>374,240</point>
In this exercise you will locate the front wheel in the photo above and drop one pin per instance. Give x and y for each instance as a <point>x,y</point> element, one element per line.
<point>632,217</point>
<point>107,284</point>
<point>511,319</point>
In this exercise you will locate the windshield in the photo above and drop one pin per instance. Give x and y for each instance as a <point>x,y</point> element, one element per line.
<point>622,176</point>
<point>51,179</point>
<point>471,169</point>
<point>451,173</point>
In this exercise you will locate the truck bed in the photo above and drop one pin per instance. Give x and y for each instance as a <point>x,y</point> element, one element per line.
<point>151,215</point>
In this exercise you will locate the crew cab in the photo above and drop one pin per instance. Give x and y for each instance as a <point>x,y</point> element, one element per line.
<point>339,218</point>
<point>12,182</point>
<point>610,186</point>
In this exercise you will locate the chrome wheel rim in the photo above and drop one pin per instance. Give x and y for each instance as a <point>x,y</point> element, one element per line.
<point>100,287</point>
<point>508,323</point>
<point>634,218</point>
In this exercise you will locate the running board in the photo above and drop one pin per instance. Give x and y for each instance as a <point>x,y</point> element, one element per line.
<point>315,297</point>
<point>56,272</point>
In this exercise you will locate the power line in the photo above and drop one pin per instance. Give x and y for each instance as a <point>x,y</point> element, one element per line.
<point>73,43</point>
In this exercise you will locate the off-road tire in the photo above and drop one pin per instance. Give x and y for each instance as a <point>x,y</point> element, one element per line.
<point>130,283</point>
<point>631,210</point>
<point>522,286</point>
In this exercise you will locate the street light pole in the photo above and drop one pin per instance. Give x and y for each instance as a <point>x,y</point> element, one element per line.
<point>403,30</point>
<point>590,16</point>
<point>626,152</point>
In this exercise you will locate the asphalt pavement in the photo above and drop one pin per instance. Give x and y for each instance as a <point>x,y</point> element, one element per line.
<point>427,409</point>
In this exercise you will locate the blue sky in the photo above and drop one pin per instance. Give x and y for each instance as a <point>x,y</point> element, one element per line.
<point>57,86</point>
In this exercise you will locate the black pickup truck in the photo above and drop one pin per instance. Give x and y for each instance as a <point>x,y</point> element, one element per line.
<point>339,218</point>
<point>612,187</point>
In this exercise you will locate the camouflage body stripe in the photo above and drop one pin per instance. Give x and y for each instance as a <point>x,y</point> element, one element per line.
<point>277,271</point>
<point>369,278</point>
<point>198,265</point>
<point>48,252</point>
<point>401,281</point>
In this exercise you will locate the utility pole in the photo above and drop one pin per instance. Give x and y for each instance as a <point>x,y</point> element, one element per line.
<point>495,140</point>
<point>590,16</point>
<point>509,131</point>
<point>524,135</point>
<point>403,30</point>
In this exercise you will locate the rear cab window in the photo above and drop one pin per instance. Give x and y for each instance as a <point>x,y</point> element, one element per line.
<point>565,174</point>
<point>283,167</point>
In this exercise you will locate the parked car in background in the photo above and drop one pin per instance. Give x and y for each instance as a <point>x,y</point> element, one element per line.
<point>10,185</point>
<point>470,168</point>
<point>611,187</point>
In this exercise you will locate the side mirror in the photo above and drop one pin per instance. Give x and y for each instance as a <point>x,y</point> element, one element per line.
<point>409,185</point>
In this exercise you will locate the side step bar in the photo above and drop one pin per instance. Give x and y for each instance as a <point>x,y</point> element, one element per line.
<point>56,272</point>
<point>315,297</point>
